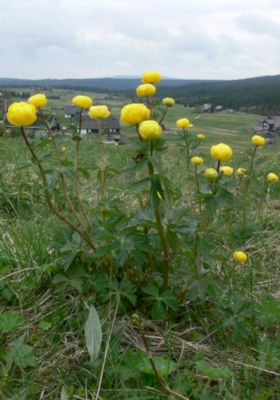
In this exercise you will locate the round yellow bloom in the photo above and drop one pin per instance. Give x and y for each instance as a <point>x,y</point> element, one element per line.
<point>201,136</point>
<point>21,114</point>
<point>221,152</point>
<point>168,102</point>
<point>98,112</point>
<point>184,123</point>
<point>240,256</point>
<point>197,160</point>
<point>151,77</point>
<point>211,174</point>
<point>63,149</point>
<point>134,113</point>
<point>272,178</point>
<point>227,171</point>
<point>258,140</point>
<point>241,171</point>
<point>82,101</point>
<point>146,89</point>
<point>38,100</point>
<point>150,130</point>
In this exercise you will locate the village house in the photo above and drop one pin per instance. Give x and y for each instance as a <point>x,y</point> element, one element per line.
<point>70,111</point>
<point>110,125</point>
<point>39,128</point>
<point>270,126</point>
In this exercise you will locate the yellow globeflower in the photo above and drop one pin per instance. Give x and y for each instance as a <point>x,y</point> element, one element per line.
<point>272,178</point>
<point>21,114</point>
<point>38,100</point>
<point>146,89</point>
<point>168,102</point>
<point>82,101</point>
<point>241,171</point>
<point>197,160</point>
<point>221,152</point>
<point>150,130</point>
<point>258,140</point>
<point>227,171</point>
<point>184,123</point>
<point>151,77</point>
<point>211,174</point>
<point>98,112</point>
<point>134,113</point>
<point>240,256</point>
<point>201,136</point>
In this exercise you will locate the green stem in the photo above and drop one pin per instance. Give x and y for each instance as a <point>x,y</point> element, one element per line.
<point>51,206</point>
<point>101,164</point>
<point>162,232</point>
<point>246,188</point>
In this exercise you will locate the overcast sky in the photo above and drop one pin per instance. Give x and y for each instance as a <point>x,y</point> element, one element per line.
<point>180,38</point>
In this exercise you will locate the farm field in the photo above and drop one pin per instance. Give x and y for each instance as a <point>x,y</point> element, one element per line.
<point>149,301</point>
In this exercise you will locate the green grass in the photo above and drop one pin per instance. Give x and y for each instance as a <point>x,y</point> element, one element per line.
<point>222,342</point>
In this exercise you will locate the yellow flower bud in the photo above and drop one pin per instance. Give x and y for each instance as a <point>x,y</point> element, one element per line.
<point>38,100</point>
<point>146,89</point>
<point>211,174</point>
<point>150,130</point>
<point>241,171</point>
<point>98,112</point>
<point>82,101</point>
<point>21,114</point>
<point>63,149</point>
<point>196,160</point>
<point>159,195</point>
<point>227,171</point>
<point>258,140</point>
<point>201,136</point>
<point>151,77</point>
<point>168,102</point>
<point>184,123</point>
<point>221,152</point>
<point>134,113</point>
<point>272,178</point>
<point>240,256</point>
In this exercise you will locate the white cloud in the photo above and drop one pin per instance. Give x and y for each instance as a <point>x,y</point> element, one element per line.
<point>182,38</point>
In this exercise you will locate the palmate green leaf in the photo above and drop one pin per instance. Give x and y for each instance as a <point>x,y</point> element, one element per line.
<point>10,321</point>
<point>214,373</point>
<point>164,365</point>
<point>93,334</point>
<point>25,357</point>
<point>14,352</point>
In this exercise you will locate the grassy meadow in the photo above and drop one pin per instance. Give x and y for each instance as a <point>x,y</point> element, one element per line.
<point>84,322</point>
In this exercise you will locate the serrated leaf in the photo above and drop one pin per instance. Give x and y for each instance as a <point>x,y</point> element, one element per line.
<point>93,334</point>
<point>9,321</point>
<point>13,352</point>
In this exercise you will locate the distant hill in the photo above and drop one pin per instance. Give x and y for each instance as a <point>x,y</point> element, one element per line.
<point>260,93</point>
<point>114,83</point>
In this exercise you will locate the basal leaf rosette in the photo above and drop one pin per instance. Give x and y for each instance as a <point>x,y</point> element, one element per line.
<point>38,100</point>
<point>99,112</point>
<point>134,113</point>
<point>21,114</point>
<point>81,101</point>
